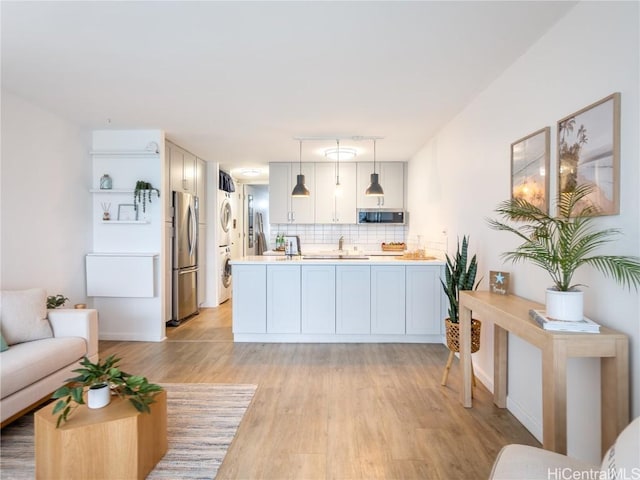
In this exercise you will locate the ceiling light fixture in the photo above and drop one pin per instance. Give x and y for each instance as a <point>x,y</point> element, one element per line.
<point>375,189</point>
<point>300,190</point>
<point>344,153</point>
<point>250,172</point>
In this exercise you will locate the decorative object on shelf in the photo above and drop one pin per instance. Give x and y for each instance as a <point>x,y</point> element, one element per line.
<point>374,189</point>
<point>499,282</point>
<point>459,277</point>
<point>300,190</point>
<point>56,301</point>
<point>105,211</point>
<point>562,244</point>
<point>153,147</point>
<point>106,182</point>
<point>93,375</point>
<point>591,154</point>
<point>80,306</point>
<point>585,325</point>
<point>142,193</point>
<point>127,212</point>
<point>530,168</point>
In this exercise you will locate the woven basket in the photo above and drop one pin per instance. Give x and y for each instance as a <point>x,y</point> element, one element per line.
<point>453,335</point>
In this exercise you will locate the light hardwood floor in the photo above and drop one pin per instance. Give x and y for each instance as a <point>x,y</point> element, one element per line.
<point>334,411</point>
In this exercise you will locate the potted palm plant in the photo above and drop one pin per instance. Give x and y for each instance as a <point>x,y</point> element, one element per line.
<point>460,274</point>
<point>100,380</point>
<point>562,244</point>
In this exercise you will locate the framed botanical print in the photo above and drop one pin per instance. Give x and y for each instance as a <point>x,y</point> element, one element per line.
<point>589,152</point>
<point>530,168</point>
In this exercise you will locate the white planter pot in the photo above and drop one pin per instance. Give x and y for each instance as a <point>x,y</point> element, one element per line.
<point>98,396</point>
<point>567,306</point>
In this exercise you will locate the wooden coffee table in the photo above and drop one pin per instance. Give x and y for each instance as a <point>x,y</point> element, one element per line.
<point>114,442</point>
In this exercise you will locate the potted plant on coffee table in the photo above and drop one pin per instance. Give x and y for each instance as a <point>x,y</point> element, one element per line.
<point>562,244</point>
<point>459,276</point>
<point>99,380</point>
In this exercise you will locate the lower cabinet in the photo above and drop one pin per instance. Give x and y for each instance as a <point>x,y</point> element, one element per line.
<point>319,299</point>
<point>249,298</point>
<point>294,302</point>
<point>388,299</point>
<point>423,300</point>
<point>353,299</point>
<point>283,299</point>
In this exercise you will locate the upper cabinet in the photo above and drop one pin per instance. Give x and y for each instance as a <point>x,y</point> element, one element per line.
<point>391,177</point>
<point>283,208</point>
<point>182,169</point>
<point>332,207</point>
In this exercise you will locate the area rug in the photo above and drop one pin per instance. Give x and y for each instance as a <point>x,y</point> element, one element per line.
<point>202,419</point>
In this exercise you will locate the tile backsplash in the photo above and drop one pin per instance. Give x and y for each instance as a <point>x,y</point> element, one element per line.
<point>366,237</point>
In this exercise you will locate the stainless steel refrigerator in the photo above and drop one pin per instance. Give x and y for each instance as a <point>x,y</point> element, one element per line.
<point>185,257</point>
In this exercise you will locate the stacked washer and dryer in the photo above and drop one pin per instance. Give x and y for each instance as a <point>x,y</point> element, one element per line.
<point>225,219</point>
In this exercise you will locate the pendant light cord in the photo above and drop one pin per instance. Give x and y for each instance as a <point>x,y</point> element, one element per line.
<point>300,157</point>
<point>338,163</point>
<point>374,155</point>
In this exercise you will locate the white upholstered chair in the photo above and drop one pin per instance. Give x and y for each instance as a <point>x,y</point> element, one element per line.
<point>521,462</point>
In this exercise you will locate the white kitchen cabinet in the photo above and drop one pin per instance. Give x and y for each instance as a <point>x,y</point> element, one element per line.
<point>249,298</point>
<point>423,300</point>
<point>353,299</point>
<point>283,208</point>
<point>387,299</point>
<point>201,189</point>
<point>329,207</point>
<point>283,298</point>
<point>182,169</point>
<point>318,299</point>
<point>391,178</point>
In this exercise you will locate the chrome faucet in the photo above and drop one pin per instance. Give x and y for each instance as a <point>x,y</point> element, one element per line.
<point>340,243</point>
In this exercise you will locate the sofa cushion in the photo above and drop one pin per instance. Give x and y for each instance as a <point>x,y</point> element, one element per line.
<point>623,455</point>
<point>26,363</point>
<point>23,315</point>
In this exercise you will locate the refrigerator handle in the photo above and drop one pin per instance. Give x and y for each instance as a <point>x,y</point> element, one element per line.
<point>192,230</point>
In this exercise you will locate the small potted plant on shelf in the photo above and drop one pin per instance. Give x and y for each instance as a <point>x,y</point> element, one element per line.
<point>56,301</point>
<point>142,194</point>
<point>460,274</point>
<point>99,380</point>
<point>562,244</point>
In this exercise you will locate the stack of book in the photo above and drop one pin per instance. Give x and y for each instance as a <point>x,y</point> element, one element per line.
<point>585,325</point>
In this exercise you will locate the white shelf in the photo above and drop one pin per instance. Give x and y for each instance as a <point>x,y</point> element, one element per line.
<point>111,190</point>
<point>136,222</point>
<point>123,153</point>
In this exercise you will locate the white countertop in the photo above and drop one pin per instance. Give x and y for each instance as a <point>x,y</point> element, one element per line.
<point>300,260</point>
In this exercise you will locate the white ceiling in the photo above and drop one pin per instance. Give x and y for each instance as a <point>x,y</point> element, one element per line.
<point>234,82</point>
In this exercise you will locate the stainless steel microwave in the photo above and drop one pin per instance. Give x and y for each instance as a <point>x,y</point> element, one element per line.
<point>377,215</point>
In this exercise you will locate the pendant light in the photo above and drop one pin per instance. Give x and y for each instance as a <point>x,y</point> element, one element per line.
<point>338,189</point>
<point>375,189</point>
<point>300,190</point>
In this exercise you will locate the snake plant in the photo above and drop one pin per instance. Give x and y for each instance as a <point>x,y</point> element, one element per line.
<point>459,277</point>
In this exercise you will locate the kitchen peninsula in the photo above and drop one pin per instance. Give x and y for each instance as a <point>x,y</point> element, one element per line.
<point>340,299</point>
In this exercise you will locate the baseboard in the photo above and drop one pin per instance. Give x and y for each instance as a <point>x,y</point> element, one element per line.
<point>529,422</point>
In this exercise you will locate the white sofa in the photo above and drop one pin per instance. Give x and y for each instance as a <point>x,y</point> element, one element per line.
<point>522,462</point>
<point>31,371</point>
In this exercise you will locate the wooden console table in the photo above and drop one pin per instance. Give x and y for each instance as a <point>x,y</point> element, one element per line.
<point>510,313</point>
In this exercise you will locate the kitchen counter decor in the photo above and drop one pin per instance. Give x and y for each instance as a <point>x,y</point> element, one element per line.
<point>394,247</point>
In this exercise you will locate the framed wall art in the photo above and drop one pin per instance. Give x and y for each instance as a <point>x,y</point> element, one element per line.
<point>127,212</point>
<point>530,168</point>
<point>589,152</point>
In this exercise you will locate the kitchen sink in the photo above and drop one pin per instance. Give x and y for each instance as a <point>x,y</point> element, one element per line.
<point>334,257</point>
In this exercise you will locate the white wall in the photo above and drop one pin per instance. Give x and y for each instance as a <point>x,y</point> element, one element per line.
<point>46,205</point>
<point>589,54</point>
